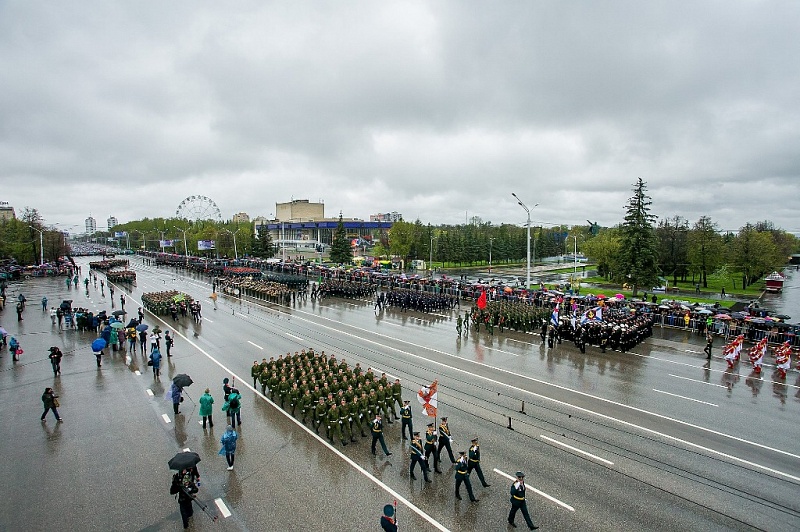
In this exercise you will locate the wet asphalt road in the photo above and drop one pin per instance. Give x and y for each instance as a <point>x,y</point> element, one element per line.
<point>649,439</point>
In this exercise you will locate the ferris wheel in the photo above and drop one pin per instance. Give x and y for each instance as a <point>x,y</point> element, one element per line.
<point>195,208</point>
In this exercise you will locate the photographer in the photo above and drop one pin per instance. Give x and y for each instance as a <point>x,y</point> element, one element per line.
<point>184,485</point>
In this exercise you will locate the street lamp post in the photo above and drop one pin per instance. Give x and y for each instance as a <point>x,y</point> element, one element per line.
<point>185,246</point>
<point>41,244</point>
<point>490,253</point>
<point>430,260</point>
<point>528,225</point>
<point>233,234</point>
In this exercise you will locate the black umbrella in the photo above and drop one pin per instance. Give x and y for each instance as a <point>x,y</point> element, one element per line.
<point>182,380</point>
<point>132,323</point>
<point>184,460</point>
<point>119,313</point>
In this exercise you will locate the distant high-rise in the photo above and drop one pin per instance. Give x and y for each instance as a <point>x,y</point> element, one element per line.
<point>6,211</point>
<point>91,225</point>
<point>112,221</point>
<point>241,218</point>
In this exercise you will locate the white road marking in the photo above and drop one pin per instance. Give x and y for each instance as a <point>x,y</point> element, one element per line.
<point>186,449</point>
<point>150,392</point>
<point>687,398</point>
<point>695,380</point>
<point>208,320</point>
<point>255,345</point>
<point>538,492</point>
<point>166,418</point>
<point>570,447</point>
<point>501,351</point>
<point>137,372</point>
<point>223,509</point>
<point>293,336</point>
<point>245,316</point>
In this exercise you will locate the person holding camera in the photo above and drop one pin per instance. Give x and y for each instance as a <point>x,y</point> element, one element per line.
<point>184,485</point>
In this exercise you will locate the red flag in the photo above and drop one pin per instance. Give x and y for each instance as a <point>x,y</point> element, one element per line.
<point>481,302</point>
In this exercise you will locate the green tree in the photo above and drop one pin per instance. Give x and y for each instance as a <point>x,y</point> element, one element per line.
<point>672,236</point>
<point>603,250</point>
<point>755,254</point>
<point>401,239</point>
<point>638,253</point>
<point>340,247</point>
<point>263,246</point>
<point>706,248</point>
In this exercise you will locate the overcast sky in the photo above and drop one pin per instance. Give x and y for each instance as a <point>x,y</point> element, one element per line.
<point>437,110</point>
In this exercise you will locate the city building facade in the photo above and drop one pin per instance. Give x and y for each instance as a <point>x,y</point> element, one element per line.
<point>91,225</point>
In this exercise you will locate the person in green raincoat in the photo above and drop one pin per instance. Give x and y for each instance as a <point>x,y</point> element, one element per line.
<point>207,408</point>
<point>114,339</point>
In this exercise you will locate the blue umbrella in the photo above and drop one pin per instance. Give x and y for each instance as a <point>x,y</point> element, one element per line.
<point>142,327</point>
<point>98,345</point>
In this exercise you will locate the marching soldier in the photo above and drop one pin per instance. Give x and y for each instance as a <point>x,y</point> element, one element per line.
<point>405,415</point>
<point>444,440</point>
<point>264,380</point>
<point>397,396</point>
<point>417,457</point>
<point>344,422</point>
<point>462,475</point>
<point>319,412</point>
<point>475,462</point>
<point>335,425</point>
<point>518,502</point>
<point>430,447</point>
<point>255,371</point>
<point>377,435</point>
<point>459,325</point>
<point>305,404</point>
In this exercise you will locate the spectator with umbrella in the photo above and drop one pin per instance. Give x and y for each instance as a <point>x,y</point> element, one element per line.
<point>178,383</point>
<point>142,329</point>
<point>97,346</point>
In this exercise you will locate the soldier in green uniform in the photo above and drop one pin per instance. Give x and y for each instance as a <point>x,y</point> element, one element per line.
<point>264,379</point>
<point>320,412</point>
<point>294,397</point>
<point>305,404</point>
<point>283,390</point>
<point>417,457</point>
<point>274,381</point>
<point>406,416</point>
<point>344,422</point>
<point>459,325</point>
<point>397,396</point>
<point>334,425</point>
<point>255,371</point>
<point>462,475</point>
<point>381,395</point>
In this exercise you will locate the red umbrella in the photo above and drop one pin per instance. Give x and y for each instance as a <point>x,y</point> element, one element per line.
<point>600,296</point>
<point>722,317</point>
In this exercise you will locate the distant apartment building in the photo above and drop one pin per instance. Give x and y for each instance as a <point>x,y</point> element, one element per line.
<point>91,226</point>
<point>7,211</point>
<point>241,218</point>
<point>393,216</point>
<point>112,221</point>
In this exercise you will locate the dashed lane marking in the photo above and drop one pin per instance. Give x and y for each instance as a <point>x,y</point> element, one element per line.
<point>255,345</point>
<point>695,380</point>
<point>684,397</point>
<point>223,509</point>
<point>150,392</point>
<point>538,492</point>
<point>166,418</point>
<point>570,447</point>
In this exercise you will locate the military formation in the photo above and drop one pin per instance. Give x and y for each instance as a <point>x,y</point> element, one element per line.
<point>406,299</point>
<point>266,290</point>
<point>348,289</point>
<point>343,401</point>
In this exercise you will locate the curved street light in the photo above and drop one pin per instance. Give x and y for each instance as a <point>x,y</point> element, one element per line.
<point>233,233</point>
<point>41,244</point>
